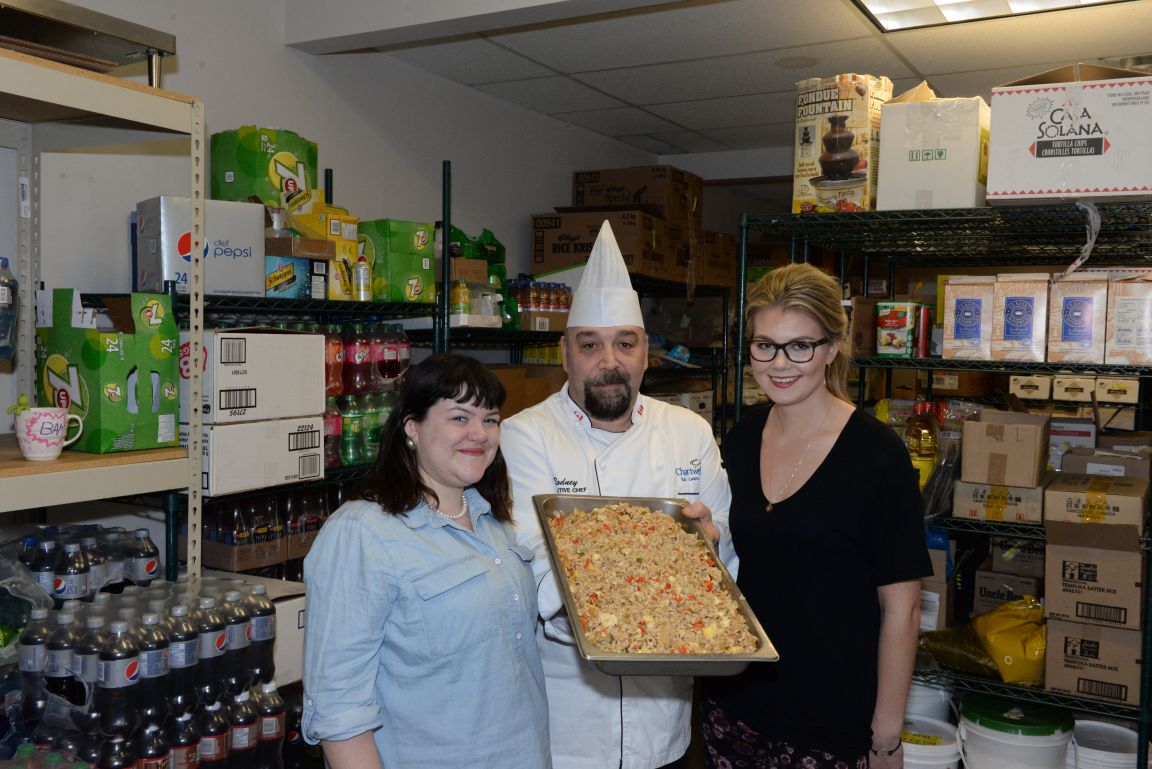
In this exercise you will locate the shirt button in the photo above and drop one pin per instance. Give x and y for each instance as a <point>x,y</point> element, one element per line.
<point>518,636</point>
<point>497,561</point>
<point>516,597</point>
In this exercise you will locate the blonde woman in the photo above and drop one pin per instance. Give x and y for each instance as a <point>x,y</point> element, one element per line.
<point>827,522</point>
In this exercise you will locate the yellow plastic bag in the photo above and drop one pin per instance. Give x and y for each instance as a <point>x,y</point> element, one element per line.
<point>1014,635</point>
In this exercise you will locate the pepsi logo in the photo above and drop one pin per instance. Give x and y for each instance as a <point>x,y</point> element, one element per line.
<point>132,671</point>
<point>151,567</point>
<point>221,642</point>
<point>58,586</point>
<point>248,632</point>
<point>294,737</point>
<point>184,247</point>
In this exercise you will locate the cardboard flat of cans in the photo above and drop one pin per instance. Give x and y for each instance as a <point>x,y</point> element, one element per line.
<point>1074,132</point>
<point>245,375</point>
<point>290,450</point>
<point>402,254</point>
<point>837,151</point>
<point>233,246</point>
<point>1077,318</point>
<point>275,165</point>
<point>968,304</point>
<point>1020,317</point>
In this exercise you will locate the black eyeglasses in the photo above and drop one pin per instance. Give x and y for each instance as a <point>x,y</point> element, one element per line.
<point>797,351</point>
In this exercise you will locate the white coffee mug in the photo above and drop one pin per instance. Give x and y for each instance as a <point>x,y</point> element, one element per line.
<point>42,432</point>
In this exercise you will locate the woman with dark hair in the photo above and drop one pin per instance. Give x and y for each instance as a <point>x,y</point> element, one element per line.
<point>420,648</point>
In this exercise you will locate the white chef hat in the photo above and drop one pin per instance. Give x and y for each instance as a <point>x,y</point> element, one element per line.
<point>605,296</point>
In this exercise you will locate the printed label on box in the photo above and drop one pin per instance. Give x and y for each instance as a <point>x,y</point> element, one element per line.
<point>1018,318</point>
<point>1077,319</point>
<point>967,319</point>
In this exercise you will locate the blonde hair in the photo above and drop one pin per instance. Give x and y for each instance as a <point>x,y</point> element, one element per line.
<point>805,289</point>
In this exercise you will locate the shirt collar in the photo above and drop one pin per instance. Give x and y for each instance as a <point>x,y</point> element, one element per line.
<point>578,418</point>
<point>423,514</point>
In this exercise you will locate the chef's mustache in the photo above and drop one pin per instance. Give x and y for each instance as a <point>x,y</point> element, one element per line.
<point>609,378</point>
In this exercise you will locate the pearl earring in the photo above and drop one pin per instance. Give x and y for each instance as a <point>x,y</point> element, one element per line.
<point>411,444</point>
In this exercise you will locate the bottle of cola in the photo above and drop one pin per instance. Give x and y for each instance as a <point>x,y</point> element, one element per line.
<point>70,574</point>
<point>33,655</point>
<point>295,749</point>
<point>44,565</point>
<point>183,742</point>
<point>60,661</point>
<point>116,697</point>
<point>116,754</point>
<point>214,731</point>
<point>114,550</point>
<point>87,663</point>
<point>154,675</point>
<point>242,737</point>
<point>210,652</point>
<point>143,559</point>
<point>238,631</point>
<point>152,748</point>
<point>260,653</point>
<point>270,734</point>
<point>97,564</point>
<point>182,661</point>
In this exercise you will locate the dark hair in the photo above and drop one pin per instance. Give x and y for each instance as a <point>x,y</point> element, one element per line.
<point>395,481</point>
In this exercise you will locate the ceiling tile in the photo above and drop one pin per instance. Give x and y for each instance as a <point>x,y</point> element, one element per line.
<point>470,62</point>
<point>731,112</point>
<point>691,141</point>
<point>754,137</point>
<point>550,95</point>
<point>745,74</point>
<point>980,83</point>
<point>619,122</point>
<point>702,30</point>
<point>650,143</point>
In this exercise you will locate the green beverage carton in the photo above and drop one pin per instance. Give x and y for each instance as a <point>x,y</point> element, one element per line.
<point>277,166</point>
<point>117,368</point>
<point>402,255</point>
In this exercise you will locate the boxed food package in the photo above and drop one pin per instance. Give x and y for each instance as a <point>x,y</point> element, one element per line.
<point>675,195</point>
<point>1117,390</point>
<point>1094,573</point>
<point>290,450</point>
<point>1035,387</point>
<point>1078,310</point>
<point>837,151</point>
<point>1071,132</point>
<point>1101,663</point>
<point>402,254</point>
<point>1020,316</point>
<point>1129,337</point>
<point>1016,555</point>
<point>962,384</point>
<point>895,329</point>
<point>718,264</point>
<point>275,165</point>
<point>1103,462</point>
<point>233,246</point>
<point>116,368</point>
<point>936,605</point>
<point>1126,441</point>
<point>996,502</point>
<point>1067,433</point>
<point>297,268</point>
<point>933,152</point>
<point>1005,448</point>
<point>1077,389</point>
<point>993,588</point>
<point>564,240</point>
<point>1076,498</point>
<point>968,303</point>
<point>245,372</point>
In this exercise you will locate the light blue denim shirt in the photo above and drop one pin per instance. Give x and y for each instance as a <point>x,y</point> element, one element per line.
<point>423,633</point>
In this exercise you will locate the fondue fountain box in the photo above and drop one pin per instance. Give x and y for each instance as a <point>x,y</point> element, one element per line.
<point>837,142</point>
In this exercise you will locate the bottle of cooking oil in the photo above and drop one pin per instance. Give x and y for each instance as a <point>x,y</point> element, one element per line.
<point>921,433</point>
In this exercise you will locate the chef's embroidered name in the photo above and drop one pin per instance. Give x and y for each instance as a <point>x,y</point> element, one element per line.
<point>568,486</point>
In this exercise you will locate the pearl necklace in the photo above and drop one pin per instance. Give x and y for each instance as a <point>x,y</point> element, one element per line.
<point>803,455</point>
<point>463,510</point>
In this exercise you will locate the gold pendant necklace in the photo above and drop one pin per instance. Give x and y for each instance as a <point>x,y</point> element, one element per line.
<point>780,494</point>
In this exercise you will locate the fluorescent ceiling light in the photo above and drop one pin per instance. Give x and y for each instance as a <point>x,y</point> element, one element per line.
<point>891,15</point>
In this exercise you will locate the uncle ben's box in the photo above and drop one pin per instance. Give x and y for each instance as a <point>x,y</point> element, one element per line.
<point>118,371</point>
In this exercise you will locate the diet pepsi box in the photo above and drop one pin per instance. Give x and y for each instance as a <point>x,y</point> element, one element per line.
<point>233,246</point>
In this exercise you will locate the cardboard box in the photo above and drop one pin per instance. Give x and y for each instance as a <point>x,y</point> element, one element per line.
<point>468,270</point>
<point>1111,417</point>
<point>933,152</point>
<point>936,605</point>
<point>908,384</point>
<point>233,246</point>
<point>1094,573</point>
<point>402,255</point>
<point>290,450</point>
<point>1016,555</point>
<point>312,248</point>
<point>246,373</point>
<point>288,598</point>
<point>1077,498</point>
<point>843,112</point>
<point>277,166</point>
<point>564,240</point>
<point>1077,389</point>
<point>1129,441</point>
<point>698,402</point>
<point>968,304</point>
<point>989,502</point>
<point>1095,662</point>
<point>1077,318</point>
<point>674,195</point>
<point>218,555</point>
<point>862,326</point>
<point>295,277</point>
<point>1129,338</point>
<point>1115,390</point>
<point>994,588</point>
<point>1020,316</point>
<point>544,320</point>
<point>963,384</point>
<point>1067,433</point>
<point>895,329</point>
<point>1121,464</point>
<point>123,382</point>
<point>1005,449</point>
<point>1036,387</point>
<point>1072,132</point>
<point>718,263</point>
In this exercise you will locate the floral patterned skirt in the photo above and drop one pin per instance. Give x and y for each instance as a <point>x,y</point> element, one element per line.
<point>735,745</point>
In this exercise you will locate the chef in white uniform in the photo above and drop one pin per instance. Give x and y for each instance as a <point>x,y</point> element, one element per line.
<point>599,436</point>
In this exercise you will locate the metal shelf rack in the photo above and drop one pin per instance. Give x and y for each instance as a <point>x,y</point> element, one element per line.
<point>977,685</point>
<point>1003,366</point>
<point>1000,528</point>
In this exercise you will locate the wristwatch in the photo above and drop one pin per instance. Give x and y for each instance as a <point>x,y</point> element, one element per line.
<point>885,752</point>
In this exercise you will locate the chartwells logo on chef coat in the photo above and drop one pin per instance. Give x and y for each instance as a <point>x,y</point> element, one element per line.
<point>688,478</point>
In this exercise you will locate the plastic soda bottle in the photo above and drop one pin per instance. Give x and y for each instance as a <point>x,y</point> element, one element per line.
<point>152,748</point>
<point>404,346</point>
<point>332,428</point>
<point>44,565</point>
<point>920,433</point>
<point>33,656</point>
<point>60,661</point>
<point>70,574</point>
<point>238,634</point>
<point>210,651</point>
<point>357,361</point>
<point>144,559</point>
<point>154,670</point>
<point>182,659</point>
<point>351,427</point>
<point>183,743</point>
<point>116,754</point>
<point>242,736</point>
<point>260,653</point>
<point>333,360</point>
<point>97,564</point>
<point>390,366</point>
<point>116,694</point>
<point>371,425</point>
<point>270,733</point>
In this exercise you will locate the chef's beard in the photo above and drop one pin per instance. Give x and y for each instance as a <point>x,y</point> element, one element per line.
<point>607,406</point>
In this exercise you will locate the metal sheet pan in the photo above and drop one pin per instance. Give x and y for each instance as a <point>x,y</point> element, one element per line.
<point>549,506</point>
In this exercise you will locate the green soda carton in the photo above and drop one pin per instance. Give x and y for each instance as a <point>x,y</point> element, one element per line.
<point>277,166</point>
<point>402,255</point>
<point>118,369</point>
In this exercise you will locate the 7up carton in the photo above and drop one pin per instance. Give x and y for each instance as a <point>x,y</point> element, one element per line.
<point>402,255</point>
<point>117,368</point>
<point>277,166</point>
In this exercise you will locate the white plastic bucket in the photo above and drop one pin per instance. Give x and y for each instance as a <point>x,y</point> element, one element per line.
<point>991,749</point>
<point>930,743</point>
<point>928,702</point>
<point>1101,745</point>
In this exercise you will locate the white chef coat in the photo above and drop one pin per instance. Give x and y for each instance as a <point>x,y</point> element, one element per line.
<point>599,721</point>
